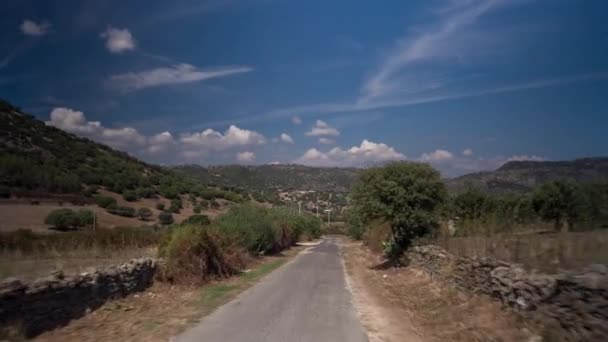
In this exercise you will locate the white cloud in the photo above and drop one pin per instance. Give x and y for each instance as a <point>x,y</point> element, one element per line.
<point>75,122</point>
<point>525,158</point>
<point>286,138</point>
<point>367,153</point>
<point>467,152</point>
<point>31,28</point>
<point>160,142</point>
<point>296,120</point>
<point>117,40</point>
<point>437,156</point>
<point>326,141</point>
<point>322,128</point>
<point>214,140</point>
<point>176,74</point>
<point>245,157</point>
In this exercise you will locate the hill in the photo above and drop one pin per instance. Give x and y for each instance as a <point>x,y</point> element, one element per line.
<point>47,167</point>
<point>523,176</point>
<point>274,177</point>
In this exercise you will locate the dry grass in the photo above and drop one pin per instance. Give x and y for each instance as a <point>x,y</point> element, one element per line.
<point>163,310</point>
<point>436,313</point>
<point>15,216</point>
<point>550,252</point>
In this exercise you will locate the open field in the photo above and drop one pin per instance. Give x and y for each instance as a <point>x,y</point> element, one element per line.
<point>548,252</point>
<point>15,215</point>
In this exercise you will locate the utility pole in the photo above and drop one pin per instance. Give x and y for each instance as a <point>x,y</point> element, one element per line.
<point>328,217</point>
<point>299,208</point>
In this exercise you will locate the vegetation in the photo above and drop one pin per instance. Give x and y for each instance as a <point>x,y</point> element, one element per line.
<point>122,211</point>
<point>405,195</point>
<point>105,201</point>
<point>144,214</point>
<point>194,253</point>
<point>64,219</point>
<point>201,220</point>
<point>165,218</point>
<point>27,242</point>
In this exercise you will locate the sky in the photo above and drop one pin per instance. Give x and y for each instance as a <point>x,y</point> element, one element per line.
<point>465,85</point>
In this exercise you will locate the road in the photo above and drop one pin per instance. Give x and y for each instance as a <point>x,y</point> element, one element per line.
<point>305,300</point>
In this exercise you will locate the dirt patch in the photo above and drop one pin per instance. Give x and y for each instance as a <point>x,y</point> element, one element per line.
<point>404,304</point>
<point>163,310</point>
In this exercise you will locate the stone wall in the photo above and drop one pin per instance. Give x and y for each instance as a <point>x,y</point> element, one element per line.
<point>574,303</point>
<point>54,301</point>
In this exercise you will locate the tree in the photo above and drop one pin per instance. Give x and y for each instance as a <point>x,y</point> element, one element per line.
<point>144,214</point>
<point>197,209</point>
<point>472,204</point>
<point>160,206</point>
<point>404,194</point>
<point>165,218</point>
<point>560,202</point>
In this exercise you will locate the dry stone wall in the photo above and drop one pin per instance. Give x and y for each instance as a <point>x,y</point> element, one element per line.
<point>54,301</point>
<point>576,303</point>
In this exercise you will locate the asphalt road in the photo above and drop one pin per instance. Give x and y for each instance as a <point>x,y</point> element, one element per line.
<point>304,300</point>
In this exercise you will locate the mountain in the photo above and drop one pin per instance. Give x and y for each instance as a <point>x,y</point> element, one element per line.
<point>274,177</point>
<point>522,176</point>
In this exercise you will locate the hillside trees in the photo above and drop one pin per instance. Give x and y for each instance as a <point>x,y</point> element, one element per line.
<point>406,195</point>
<point>65,219</point>
<point>560,202</point>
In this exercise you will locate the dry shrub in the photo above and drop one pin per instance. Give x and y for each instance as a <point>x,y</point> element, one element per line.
<point>376,233</point>
<point>194,254</point>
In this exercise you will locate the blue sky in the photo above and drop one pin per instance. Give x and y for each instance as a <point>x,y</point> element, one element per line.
<point>463,84</point>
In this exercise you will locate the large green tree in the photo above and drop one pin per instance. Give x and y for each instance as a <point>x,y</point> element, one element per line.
<point>406,195</point>
<point>560,202</point>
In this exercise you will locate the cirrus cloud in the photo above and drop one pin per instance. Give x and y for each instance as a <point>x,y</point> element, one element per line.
<point>31,28</point>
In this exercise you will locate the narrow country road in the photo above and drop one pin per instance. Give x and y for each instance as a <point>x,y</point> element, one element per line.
<point>304,300</point>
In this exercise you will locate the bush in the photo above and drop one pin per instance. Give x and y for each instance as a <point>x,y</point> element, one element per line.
<point>144,214</point>
<point>197,209</point>
<point>104,201</point>
<point>145,192</point>
<point>129,196</point>
<point>165,218</point>
<point>176,205</point>
<point>122,211</point>
<point>250,226</point>
<point>65,219</point>
<point>91,190</point>
<point>160,206</point>
<point>193,255</point>
<point>201,220</point>
<point>404,194</point>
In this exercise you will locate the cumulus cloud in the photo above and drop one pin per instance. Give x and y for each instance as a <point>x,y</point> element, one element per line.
<point>245,157</point>
<point>31,28</point>
<point>117,40</point>
<point>467,152</point>
<point>368,152</point>
<point>437,156</point>
<point>286,138</point>
<point>214,140</point>
<point>321,128</point>
<point>326,141</point>
<point>75,122</point>
<point>176,74</point>
<point>296,120</point>
<point>160,142</point>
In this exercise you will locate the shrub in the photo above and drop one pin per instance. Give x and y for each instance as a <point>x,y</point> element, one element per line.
<point>144,214</point>
<point>165,218</point>
<point>104,201</point>
<point>91,190</point>
<point>122,211</point>
<point>176,205</point>
<point>197,209</point>
<point>64,219</point>
<point>215,204</point>
<point>145,192</point>
<point>129,196</point>
<point>160,206</point>
<point>193,255</point>
<point>250,226</point>
<point>201,220</point>
<point>404,194</point>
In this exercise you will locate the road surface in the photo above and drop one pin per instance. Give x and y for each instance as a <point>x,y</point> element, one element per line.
<point>304,300</point>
